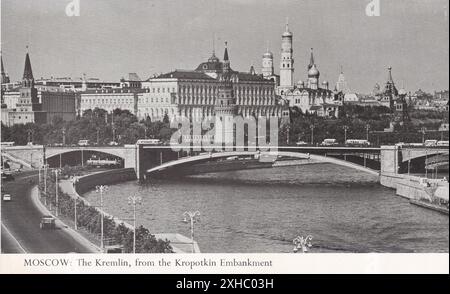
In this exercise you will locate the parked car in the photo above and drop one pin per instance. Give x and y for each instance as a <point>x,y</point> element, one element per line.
<point>113,143</point>
<point>48,222</point>
<point>6,197</point>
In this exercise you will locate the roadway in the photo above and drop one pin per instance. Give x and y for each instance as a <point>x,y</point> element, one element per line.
<point>20,223</point>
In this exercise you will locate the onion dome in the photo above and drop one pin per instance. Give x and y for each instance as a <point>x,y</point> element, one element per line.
<point>313,72</point>
<point>300,84</point>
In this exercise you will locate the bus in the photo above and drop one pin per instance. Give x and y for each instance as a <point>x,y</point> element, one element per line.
<point>329,142</point>
<point>357,142</point>
<point>430,143</point>
<point>148,141</point>
<point>442,143</point>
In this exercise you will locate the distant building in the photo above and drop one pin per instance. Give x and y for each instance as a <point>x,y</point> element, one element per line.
<point>133,81</point>
<point>286,63</point>
<point>59,104</point>
<point>441,95</point>
<point>341,84</point>
<point>268,68</point>
<point>77,84</point>
<point>401,108</point>
<point>309,97</point>
<point>27,104</point>
<point>193,93</point>
<point>110,99</point>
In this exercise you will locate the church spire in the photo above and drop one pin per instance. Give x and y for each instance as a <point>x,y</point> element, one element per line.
<point>27,72</point>
<point>225,55</point>
<point>3,69</point>
<point>311,60</point>
<point>390,79</point>
<point>28,79</point>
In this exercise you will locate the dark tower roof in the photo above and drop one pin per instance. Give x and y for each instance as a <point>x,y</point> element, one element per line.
<point>3,70</point>
<point>225,55</point>
<point>27,72</point>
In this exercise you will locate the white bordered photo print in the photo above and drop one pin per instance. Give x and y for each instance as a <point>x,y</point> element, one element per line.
<point>224,137</point>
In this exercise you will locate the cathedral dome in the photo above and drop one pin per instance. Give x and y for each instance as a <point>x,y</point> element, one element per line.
<point>313,72</point>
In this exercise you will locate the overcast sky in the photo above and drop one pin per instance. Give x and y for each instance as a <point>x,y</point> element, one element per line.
<point>114,37</point>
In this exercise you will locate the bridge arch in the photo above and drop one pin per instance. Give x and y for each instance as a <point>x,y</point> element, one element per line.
<point>211,156</point>
<point>52,152</point>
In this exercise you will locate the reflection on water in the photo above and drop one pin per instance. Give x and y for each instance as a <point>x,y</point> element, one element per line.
<point>264,210</point>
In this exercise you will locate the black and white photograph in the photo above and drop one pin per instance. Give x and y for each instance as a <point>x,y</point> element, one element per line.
<point>192,128</point>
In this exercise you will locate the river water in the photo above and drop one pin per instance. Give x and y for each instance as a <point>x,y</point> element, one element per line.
<point>262,211</point>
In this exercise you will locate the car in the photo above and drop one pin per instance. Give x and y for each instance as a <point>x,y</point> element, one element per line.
<point>113,143</point>
<point>301,143</point>
<point>6,197</point>
<point>442,144</point>
<point>83,143</point>
<point>48,222</point>
<point>7,176</point>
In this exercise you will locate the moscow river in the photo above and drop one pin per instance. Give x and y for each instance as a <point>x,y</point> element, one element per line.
<point>263,210</point>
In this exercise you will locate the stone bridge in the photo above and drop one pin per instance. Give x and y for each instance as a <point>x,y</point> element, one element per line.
<point>35,155</point>
<point>261,156</point>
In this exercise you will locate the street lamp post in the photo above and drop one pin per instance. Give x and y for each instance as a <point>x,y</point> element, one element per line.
<point>302,243</point>
<point>114,133</point>
<point>193,218</point>
<point>101,189</point>
<point>423,131</point>
<point>56,190</point>
<point>75,180</point>
<point>345,133</point>
<point>367,132</point>
<point>30,134</point>
<point>64,136</point>
<point>133,200</point>
<point>98,136</point>
<point>45,183</point>
<point>312,134</point>
<point>287,134</point>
